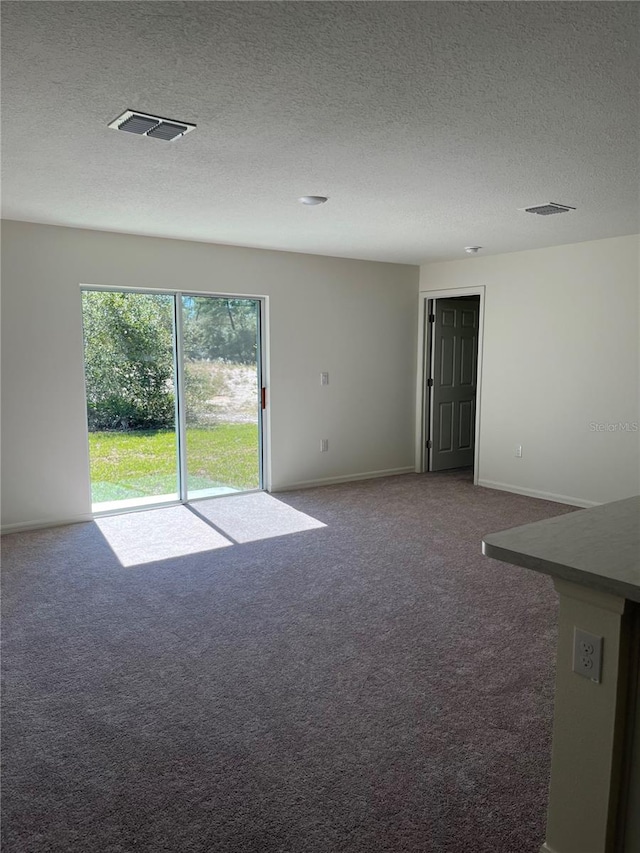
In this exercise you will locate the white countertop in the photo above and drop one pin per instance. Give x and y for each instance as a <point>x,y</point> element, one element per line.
<point>598,548</point>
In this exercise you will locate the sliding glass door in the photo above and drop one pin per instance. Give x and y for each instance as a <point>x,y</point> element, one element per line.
<point>173,387</point>
<point>221,378</point>
<point>130,370</point>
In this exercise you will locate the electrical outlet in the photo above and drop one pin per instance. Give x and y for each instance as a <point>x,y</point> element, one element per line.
<point>518,450</point>
<point>587,654</point>
<point>324,445</point>
<point>324,378</point>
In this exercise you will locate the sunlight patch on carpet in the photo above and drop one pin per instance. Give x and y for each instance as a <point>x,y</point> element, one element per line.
<point>254,516</point>
<point>137,538</point>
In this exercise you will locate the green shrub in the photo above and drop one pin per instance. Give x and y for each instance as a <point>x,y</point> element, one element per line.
<point>128,344</point>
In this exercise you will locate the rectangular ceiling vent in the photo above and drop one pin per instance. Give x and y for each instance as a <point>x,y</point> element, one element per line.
<point>548,208</point>
<point>144,124</point>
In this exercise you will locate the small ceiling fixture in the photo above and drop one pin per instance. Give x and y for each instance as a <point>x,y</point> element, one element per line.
<point>548,208</point>
<point>472,250</point>
<point>144,124</point>
<point>313,199</point>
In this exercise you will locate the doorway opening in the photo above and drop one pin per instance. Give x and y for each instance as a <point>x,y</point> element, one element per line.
<point>175,396</point>
<point>449,390</point>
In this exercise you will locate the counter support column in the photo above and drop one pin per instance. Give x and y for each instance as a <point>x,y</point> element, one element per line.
<point>590,723</point>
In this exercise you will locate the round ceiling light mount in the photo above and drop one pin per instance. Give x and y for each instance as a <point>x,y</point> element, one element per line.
<point>313,199</point>
<point>472,250</point>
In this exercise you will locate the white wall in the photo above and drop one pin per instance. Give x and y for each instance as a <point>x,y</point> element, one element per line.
<point>355,319</point>
<point>561,352</point>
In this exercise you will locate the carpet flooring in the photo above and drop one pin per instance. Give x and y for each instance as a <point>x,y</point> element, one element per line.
<point>335,669</point>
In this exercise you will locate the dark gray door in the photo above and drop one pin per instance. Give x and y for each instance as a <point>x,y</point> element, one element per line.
<point>453,399</point>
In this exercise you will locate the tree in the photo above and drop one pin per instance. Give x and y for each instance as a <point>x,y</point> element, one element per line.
<point>128,344</point>
<point>219,328</point>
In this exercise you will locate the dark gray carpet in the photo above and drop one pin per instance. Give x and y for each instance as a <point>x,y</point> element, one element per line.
<point>372,685</point>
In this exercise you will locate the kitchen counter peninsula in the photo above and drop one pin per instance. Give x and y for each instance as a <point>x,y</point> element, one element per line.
<point>593,556</point>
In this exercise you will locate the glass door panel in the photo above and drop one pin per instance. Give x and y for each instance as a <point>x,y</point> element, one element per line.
<point>129,355</point>
<point>221,381</point>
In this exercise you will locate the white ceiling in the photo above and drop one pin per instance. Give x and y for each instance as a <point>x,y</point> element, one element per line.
<point>428,124</point>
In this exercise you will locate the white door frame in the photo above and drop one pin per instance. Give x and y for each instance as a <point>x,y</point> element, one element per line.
<point>424,365</point>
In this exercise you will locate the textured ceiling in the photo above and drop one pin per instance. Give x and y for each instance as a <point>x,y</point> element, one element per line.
<point>428,124</point>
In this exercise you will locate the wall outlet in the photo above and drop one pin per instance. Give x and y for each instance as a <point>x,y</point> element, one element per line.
<point>518,450</point>
<point>324,378</point>
<point>587,654</point>
<point>324,445</point>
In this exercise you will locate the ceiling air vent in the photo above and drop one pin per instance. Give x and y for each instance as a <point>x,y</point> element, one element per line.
<point>144,124</point>
<point>548,208</point>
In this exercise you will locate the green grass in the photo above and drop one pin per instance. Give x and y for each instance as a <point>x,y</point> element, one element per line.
<point>142,463</point>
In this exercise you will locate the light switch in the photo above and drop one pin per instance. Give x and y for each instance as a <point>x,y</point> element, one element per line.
<point>324,378</point>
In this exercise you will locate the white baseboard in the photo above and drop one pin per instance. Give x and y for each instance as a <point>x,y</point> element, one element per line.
<point>347,478</point>
<point>534,493</point>
<point>40,525</point>
<point>304,484</point>
<point>327,481</point>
